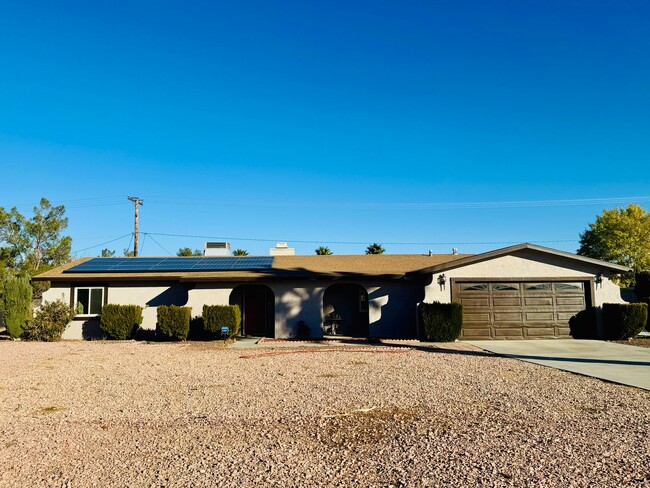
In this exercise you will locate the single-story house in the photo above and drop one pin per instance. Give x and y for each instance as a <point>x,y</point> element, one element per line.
<point>518,292</point>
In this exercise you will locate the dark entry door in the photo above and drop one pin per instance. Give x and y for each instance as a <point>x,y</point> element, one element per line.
<point>256,310</point>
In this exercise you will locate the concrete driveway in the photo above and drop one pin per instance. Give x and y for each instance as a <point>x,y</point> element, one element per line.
<point>619,363</point>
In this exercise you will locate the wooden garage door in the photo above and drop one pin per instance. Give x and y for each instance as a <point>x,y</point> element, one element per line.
<point>519,310</point>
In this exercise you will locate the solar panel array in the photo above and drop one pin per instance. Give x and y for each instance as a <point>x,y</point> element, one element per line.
<point>143,265</point>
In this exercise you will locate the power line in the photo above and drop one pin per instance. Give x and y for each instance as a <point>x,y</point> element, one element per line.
<point>103,243</point>
<point>159,244</point>
<point>299,241</point>
<point>407,206</point>
<point>379,206</point>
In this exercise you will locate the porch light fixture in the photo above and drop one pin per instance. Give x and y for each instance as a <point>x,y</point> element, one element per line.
<point>442,279</point>
<point>598,279</point>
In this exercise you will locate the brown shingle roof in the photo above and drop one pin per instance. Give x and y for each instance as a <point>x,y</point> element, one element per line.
<point>393,265</point>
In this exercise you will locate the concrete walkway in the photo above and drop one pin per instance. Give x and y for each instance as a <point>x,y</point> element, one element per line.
<point>619,363</point>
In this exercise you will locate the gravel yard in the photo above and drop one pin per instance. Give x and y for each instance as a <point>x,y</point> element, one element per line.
<point>640,341</point>
<point>139,414</point>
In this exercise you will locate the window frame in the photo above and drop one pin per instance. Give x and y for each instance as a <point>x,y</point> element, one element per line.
<point>76,300</point>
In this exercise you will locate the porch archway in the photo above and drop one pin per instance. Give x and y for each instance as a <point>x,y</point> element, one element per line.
<point>345,306</point>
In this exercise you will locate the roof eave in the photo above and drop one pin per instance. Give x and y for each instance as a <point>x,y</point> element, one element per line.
<point>477,258</point>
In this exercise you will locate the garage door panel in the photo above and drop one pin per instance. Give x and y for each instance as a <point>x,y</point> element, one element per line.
<point>540,316</point>
<point>476,317</point>
<point>566,316</point>
<point>507,317</point>
<point>507,302</point>
<point>517,332</point>
<point>540,331</point>
<point>475,302</point>
<point>510,310</point>
<point>476,333</point>
<point>580,301</point>
<point>531,301</point>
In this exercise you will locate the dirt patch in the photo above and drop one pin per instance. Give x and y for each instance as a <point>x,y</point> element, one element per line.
<point>637,341</point>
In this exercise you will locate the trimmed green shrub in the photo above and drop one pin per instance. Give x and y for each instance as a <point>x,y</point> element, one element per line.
<point>120,322</point>
<point>174,322</point>
<point>217,316</point>
<point>441,322</point>
<point>583,325</point>
<point>197,331</point>
<point>624,320</point>
<point>642,286</point>
<point>16,304</point>
<point>49,322</point>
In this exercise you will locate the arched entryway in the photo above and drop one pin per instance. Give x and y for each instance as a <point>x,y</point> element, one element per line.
<point>257,305</point>
<point>345,306</point>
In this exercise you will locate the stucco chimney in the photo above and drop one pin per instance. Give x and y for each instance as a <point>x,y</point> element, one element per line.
<point>282,249</point>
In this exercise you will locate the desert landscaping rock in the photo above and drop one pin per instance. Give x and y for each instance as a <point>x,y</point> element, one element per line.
<point>139,414</point>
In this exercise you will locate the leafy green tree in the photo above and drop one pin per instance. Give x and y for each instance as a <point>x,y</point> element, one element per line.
<point>375,248</point>
<point>128,254</point>
<point>620,236</point>
<point>31,246</point>
<point>240,252</point>
<point>186,251</point>
<point>16,304</point>
<point>107,253</point>
<point>323,251</point>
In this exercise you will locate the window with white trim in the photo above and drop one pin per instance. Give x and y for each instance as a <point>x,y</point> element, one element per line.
<point>88,301</point>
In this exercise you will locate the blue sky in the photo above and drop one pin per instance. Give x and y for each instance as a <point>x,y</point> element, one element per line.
<point>331,122</point>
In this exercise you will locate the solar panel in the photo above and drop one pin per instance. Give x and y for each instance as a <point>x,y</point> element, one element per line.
<point>134,265</point>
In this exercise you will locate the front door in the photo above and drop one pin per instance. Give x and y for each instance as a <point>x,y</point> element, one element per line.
<point>255,315</point>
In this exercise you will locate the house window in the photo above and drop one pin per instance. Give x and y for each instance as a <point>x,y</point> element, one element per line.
<point>476,287</point>
<point>88,301</point>
<point>505,287</point>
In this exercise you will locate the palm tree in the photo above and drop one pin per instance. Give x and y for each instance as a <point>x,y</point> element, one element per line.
<point>240,252</point>
<point>186,251</point>
<point>375,248</point>
<point>323,251</point>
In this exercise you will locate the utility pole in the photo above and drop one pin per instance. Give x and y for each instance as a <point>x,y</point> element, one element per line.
<point>137,201</point>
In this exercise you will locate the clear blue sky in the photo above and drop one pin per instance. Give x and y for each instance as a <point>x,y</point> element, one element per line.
<point>324,121</point>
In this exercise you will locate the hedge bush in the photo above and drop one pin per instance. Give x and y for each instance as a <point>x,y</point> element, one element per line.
<point>624,320</point>
<point>49,322</point>
<point>174,322</point>
<point>16,304</point>
<point>441,322</point>
<point>120,322</point>
<point>217,316</point>
<point>642,286</point>
<point>583,325</point>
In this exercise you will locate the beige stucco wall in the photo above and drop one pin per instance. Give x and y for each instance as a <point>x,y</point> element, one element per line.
<point>138,295</point>
<point>391,307</point>
<point>208,294</point>
<point>296,301</point>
